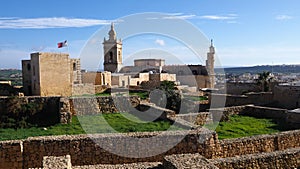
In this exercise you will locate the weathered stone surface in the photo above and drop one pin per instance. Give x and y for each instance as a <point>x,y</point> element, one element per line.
<point>60,162</point>
<point>182,161</point>
<point>289,158</point>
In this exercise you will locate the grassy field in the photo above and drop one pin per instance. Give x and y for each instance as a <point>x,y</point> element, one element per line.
<point>243,126</point>
<point>106,123</point>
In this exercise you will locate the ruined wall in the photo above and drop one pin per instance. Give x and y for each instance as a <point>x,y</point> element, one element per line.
<point>265,112</point>
<point>84,151</point>
<point>196,118</point>
<point>287,96</point>
<point>242,88</point>
<point>97,105</point>
<point>258,144</point>
<point>11,155</point>
<point>82,89</point>
<point>199,81</point>
<point>262,98</point>
<point>93,149</point>
<point>279,159</point>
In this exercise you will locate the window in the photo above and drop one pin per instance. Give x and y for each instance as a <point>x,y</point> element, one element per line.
<point>74,66</point>
<point>28,67</point>
<point>195,72</point>
<point>110,57</point>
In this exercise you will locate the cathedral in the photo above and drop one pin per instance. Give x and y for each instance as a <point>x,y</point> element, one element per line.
<point>145,70</point>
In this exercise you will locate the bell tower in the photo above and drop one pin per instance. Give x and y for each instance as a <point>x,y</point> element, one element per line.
<point>210,65</point>
<point>112,52</point>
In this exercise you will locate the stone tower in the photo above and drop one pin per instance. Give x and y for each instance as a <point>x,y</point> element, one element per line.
<point>112,52</point>
<point>210,64</point>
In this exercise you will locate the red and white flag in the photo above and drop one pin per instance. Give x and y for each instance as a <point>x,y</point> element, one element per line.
<point>62,44</point>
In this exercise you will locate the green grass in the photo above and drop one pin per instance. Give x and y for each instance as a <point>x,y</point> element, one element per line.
<point>106,123</point>
<point>142,95</point>
<point>196,98</point>
<point>243,126</point>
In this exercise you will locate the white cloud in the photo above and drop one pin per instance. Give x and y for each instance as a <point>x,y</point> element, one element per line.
<point>219,17</point>
<point>283,17</point>
<point>43,23</point>
<point>160,42</point>
<point>230,17</point>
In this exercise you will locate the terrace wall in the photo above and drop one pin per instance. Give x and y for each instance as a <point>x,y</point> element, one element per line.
<point>84,149</point>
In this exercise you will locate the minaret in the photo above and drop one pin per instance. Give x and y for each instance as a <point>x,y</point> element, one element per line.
<point>112,52</point>
<point>210,64</point>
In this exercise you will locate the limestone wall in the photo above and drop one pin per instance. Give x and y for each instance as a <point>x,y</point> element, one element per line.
<point>287,96</point>
<point>279,159</point>
<point>96,105</point>
<point>262,98</point>
<point>196,118</point>
<point>84,151</point>
<point>82,89</point>
<point>241,88</point>
<point>265,112</point>
<point>11,155</point>
<point>258,144</point>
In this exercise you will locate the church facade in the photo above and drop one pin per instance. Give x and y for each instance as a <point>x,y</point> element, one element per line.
<point>191,75</point>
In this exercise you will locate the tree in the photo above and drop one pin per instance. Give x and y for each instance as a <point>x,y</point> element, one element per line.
<point>172,95</point>
<point>264,80</point>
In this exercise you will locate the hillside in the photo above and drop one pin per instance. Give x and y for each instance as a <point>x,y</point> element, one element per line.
<point>285,69</point>
<point>14,75</point>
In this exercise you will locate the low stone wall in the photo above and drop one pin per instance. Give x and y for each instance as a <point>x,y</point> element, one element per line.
<point>259,144</point>
<point>280,159</point>
<point>196,118</point>
<point>260,99</point>
<point>97,105</point>
<point>181,161</point>
<point>264,112</point>
<point>11,155</point>
<point>223,114</point>
<point>84,150</point>
<point>151,112</point>
<point>81,89</point>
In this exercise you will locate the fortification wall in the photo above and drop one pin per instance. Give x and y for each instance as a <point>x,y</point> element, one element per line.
<point>241,88</point>
<point>287,96</point>
<point>262,98</point>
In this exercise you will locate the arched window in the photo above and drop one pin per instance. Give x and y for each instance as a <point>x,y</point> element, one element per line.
<point>74,66</point>
<point>28,67</point>
<point>110,57</point>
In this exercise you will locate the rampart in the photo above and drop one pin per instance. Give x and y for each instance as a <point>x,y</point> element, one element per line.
<point>83,149</point>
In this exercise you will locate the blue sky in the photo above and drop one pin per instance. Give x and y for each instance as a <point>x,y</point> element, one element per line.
<point>245,32</point>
